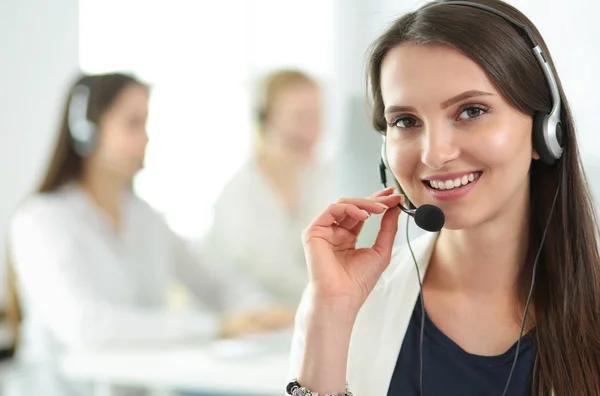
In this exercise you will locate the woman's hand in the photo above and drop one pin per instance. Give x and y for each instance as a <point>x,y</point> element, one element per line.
<point>341,274</point>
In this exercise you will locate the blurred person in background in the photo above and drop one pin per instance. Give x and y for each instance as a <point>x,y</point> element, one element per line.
<point>261,212</point>
<point>91,262</point>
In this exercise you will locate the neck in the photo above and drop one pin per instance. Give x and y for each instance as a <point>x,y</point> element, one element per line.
<point>487,259</point>
<point>283,171</point>
<point>106,192</point>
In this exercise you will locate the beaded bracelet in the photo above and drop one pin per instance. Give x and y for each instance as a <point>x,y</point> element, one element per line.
<point>295,389</point>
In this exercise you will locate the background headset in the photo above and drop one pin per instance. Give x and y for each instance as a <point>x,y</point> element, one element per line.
<point>548,140</point>
<point>548,134</point>
<point>82,131</point>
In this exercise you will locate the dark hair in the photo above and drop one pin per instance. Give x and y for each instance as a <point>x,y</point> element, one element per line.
<point>66,164</point>
<point>566,298</point>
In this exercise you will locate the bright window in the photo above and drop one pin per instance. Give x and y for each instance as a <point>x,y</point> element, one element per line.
<point>201,58</point>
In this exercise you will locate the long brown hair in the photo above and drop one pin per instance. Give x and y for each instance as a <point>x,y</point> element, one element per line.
<point>567,290</point>
<point>66,164</point>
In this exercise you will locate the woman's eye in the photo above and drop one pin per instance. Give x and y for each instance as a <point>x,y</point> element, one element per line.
<point>472,112</point>
<point>404,122</point>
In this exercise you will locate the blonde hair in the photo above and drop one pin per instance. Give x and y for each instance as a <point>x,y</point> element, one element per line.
<point>269,88</point>
<point>273,84</point>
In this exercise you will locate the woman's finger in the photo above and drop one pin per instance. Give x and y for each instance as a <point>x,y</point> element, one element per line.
<point>349,223</point>
<point>336,213</point>
<point>357,228</point>
<point>388,200</point>
<point>382,193</point>
<point>371,205</point>
<point>385,238</point>
<point>391,200</point>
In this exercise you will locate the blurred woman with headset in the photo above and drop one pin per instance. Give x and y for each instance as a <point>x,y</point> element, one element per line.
<point>260,214</point>
<point>92,261</point>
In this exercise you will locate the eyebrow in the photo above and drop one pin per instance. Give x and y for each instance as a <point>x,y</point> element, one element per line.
<point>445,104</point>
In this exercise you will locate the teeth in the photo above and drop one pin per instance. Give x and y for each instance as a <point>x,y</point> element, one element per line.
<point>450,184</point>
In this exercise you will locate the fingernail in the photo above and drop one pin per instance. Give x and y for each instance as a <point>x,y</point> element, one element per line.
<point>382,205</point>
<point>367,213</point>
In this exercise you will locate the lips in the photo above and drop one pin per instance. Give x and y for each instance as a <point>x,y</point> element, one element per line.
<point>451,187</point>
<point>452,183</point>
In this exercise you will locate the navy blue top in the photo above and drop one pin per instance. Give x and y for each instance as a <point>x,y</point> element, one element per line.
<point>448,370</point>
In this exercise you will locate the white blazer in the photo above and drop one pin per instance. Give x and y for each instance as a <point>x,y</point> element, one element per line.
<point>83,284</point>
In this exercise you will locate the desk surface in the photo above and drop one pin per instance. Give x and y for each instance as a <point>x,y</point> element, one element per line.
<point>250,366</point>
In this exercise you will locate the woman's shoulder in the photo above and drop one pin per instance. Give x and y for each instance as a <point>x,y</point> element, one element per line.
<point>40,215</point>
<point>40,206</point>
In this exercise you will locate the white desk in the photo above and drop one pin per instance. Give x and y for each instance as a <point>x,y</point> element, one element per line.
<point>225,366</point>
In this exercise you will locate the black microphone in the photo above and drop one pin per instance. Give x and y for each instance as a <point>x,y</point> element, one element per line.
<point>428,217</point>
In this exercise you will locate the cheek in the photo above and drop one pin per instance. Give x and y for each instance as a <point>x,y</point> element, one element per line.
<point>505,147</point>
<point>119,144</point>
<point>404,161</point>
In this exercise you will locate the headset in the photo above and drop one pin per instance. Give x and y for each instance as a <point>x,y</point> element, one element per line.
<point>548,141</point>
<point>83,132</point>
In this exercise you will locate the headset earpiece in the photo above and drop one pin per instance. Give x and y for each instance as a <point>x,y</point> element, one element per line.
<point>83,132</point>
<point>548,138</point>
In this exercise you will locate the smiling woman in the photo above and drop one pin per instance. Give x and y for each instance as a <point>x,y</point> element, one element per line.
<point>475,122</point>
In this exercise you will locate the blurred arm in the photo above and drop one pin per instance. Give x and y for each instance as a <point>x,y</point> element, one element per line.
<point>213,283</point>
<point>52,278</point>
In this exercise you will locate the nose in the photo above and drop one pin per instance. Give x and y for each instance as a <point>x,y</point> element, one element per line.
<point>439,147</point>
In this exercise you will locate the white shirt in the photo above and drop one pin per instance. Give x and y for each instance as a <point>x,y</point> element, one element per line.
<point>254,234</point>
<point>83,284</point>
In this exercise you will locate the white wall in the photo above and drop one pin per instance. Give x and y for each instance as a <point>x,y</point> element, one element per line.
<point>39,42</point>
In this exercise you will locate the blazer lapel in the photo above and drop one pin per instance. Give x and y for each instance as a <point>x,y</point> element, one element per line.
<point>382,322</point>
